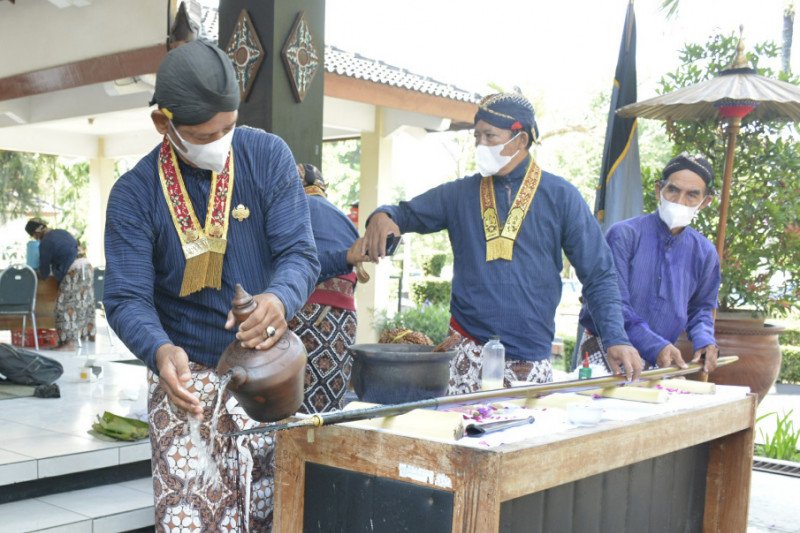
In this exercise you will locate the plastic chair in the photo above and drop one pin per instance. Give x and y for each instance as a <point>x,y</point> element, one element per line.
<point>99,283</point>
<point>18,296</point>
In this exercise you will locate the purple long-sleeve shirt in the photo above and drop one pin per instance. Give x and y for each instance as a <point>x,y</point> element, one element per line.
<point>668,283</point>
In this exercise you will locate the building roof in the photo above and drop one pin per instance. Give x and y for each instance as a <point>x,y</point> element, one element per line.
<point>353,65</point>
<point>338,61</point>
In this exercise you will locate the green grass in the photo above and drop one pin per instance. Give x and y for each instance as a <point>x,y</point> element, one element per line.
<point>783,442</point>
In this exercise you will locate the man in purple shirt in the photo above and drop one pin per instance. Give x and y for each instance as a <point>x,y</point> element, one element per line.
<point>668,273</point>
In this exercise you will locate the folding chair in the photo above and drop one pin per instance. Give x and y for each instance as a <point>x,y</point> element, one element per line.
<point>18,296</point>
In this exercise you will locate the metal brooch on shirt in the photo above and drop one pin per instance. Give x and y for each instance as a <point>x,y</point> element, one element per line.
<point>240,212</point>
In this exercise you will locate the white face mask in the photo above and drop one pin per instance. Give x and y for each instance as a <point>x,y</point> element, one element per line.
<point>488,158</point>
<point>211,156</point>
<point>676,215</point>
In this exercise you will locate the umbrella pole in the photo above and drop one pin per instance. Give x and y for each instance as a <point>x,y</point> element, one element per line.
<point>733,130</point>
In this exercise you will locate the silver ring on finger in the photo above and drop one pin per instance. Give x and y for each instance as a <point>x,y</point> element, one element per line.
<point>270,331</point>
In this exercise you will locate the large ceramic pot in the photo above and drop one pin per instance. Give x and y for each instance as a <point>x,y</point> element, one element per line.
<point>398,373</point>
<point>754,342</point>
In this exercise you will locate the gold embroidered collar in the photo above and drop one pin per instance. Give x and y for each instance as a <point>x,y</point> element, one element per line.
<point>500,241</point>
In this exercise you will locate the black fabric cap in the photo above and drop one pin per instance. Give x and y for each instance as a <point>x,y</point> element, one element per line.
<point>310,174</point>
<point>697,164</point>
<point>509,111</point>
<point>34,224</point>
<point>195,81</point>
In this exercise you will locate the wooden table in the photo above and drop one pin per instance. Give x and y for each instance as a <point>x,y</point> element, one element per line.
<point>687,471</point>
<point>46,294</point>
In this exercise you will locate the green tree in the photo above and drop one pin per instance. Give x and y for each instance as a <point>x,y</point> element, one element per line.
<point>341,168</point>
<point>70,184</point>
<point>20,177</point>
<point>762,244</point>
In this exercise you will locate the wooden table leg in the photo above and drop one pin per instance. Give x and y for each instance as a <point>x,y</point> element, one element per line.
<point>290,484</point>
<point>730,467</point>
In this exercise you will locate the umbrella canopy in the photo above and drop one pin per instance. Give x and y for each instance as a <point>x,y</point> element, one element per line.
<point>736,92</point>
<point>774,99</point>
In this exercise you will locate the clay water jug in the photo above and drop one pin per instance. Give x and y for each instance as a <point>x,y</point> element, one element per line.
<point>267,383</point>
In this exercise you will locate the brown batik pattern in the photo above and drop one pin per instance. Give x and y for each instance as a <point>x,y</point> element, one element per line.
<point>466,368</point>
<point>327,334</point>
<point>243,501</point>
<point>74,309</point>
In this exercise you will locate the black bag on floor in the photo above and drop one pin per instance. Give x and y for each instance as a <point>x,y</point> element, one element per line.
<point>26,367</point>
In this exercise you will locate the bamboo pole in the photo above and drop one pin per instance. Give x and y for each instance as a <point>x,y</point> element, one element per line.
<point>525,391</point>
<point>733,130</point>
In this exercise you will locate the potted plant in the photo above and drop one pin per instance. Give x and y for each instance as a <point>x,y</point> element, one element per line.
<point>761,263</point>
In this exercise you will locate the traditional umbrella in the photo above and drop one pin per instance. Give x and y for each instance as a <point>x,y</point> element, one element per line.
<point>733,94</point>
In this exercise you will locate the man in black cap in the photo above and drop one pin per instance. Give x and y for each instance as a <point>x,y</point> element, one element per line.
<point>508,225</point>
<point>327,322</point>
<point>213,205</point>
<point>668,273</point>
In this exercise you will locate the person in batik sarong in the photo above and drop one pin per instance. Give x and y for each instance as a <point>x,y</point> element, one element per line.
<point>509,225</point>
<point>212,206</point>
<point>75,305</point>
<point>327,322</point>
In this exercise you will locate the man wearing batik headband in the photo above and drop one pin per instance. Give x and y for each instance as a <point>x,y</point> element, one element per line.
<point>508,225</point>
<point>668,273</point>
<point>327,322</point>
<point>213,205</point>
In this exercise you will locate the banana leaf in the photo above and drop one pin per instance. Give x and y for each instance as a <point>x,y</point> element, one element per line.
<point>120,427</point>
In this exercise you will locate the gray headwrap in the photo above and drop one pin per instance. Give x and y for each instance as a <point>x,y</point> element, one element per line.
<point>195,81</point>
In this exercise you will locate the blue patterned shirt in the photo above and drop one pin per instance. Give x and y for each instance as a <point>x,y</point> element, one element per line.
<point>57,251</point>
<point>272,250</point>
<point>669,284</point>
<point>517,299</point>
<point>333,234</point>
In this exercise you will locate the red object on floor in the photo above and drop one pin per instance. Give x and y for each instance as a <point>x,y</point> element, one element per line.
<point>48,338</point>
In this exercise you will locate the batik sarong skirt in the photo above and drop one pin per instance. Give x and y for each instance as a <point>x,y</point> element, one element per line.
<point>466,368</point>
<point>187,501</point>
<point>327,334</point>
<point>75,305</point>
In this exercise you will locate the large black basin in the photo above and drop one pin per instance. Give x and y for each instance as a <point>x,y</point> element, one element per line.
<point>397,373</point>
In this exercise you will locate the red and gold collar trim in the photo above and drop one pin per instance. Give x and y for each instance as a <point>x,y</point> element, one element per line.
<point>203,248</point>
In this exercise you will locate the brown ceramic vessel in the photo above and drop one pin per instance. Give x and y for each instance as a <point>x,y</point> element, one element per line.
<point>267,383</point>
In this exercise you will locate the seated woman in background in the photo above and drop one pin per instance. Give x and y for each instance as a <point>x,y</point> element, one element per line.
<point>75,305</point>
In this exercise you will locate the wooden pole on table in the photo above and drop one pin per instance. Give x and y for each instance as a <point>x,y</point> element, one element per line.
<point>524,391</point>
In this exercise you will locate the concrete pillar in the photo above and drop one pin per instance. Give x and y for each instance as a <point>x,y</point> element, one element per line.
<point>101,179</point>
<point>376,177</point>
<point>271,104</point>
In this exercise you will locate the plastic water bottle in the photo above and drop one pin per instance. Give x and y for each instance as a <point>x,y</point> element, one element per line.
<point>493,359</point>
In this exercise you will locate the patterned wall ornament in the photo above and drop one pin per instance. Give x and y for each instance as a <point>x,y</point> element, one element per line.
<point>300,56</point>
<point>246,52</point>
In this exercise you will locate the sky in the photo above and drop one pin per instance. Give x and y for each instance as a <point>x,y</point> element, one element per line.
<point>561,53</point>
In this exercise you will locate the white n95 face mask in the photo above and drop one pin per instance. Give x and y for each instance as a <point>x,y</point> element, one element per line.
<point>488,158</point>
<point>211,156</point>
<point>676,215</point>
